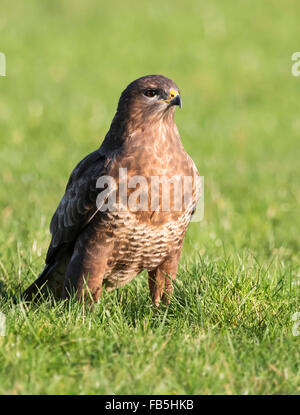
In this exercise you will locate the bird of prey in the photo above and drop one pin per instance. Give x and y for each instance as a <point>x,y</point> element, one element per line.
<point>92,246</point>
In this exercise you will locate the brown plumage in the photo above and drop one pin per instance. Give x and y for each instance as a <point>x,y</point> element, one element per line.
<point>91,247</point>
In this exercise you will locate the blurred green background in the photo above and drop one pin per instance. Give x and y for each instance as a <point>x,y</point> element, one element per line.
<point>67,63</point>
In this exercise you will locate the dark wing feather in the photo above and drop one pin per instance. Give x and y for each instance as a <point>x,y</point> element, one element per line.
<point>78,204</point>
<point>73,213</point>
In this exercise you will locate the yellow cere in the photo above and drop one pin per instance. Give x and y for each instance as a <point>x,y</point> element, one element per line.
<point>172,95</point>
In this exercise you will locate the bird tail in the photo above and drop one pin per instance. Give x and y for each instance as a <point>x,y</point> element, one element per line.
<point>37,288</point>
<point>50,281</point>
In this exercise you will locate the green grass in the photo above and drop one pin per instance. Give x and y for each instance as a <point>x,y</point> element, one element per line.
<point>228,329</point>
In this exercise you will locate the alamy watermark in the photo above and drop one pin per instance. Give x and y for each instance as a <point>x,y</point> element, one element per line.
<point>296,65</point>
<point>2,324</point>
<point>296,325</point>
<point>151,194</point>
<point>2,64</point>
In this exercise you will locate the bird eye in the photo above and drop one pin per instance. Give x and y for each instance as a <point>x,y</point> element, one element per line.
<point>150,93</point>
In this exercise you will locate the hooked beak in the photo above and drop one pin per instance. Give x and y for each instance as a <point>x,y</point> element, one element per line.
<point>176,101</point>
<point>174,98</point>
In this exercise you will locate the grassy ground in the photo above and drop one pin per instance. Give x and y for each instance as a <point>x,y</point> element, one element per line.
<point>229,327</point>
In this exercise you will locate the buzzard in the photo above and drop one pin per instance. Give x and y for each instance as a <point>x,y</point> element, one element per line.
<point>100,237</point>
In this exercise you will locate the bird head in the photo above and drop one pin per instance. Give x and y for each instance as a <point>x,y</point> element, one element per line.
<point>150,96</point>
